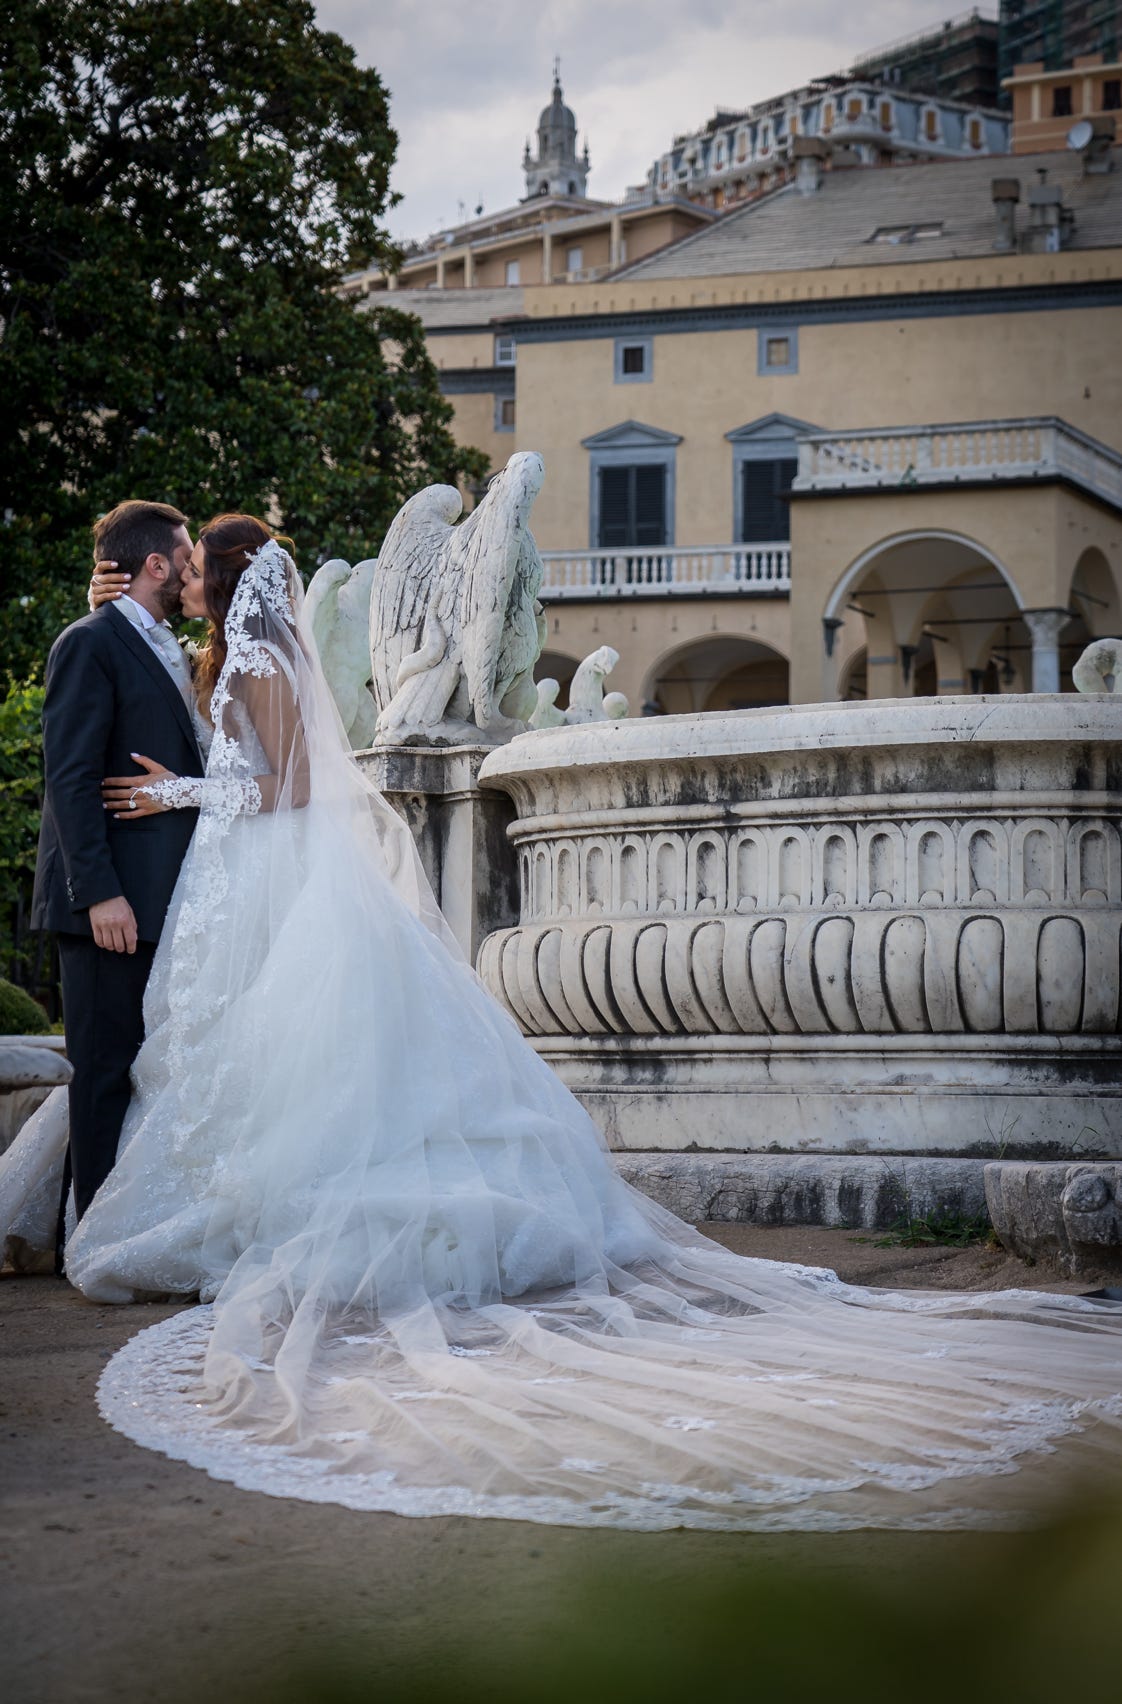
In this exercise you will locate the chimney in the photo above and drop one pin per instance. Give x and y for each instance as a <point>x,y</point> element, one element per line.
<point>1050,222</point>
<point>808,153</point>
<point>1006,193</point>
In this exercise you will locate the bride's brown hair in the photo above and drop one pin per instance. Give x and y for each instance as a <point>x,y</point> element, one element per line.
<point>228,542</point>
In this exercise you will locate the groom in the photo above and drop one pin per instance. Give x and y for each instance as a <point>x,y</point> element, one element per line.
<point>117,684</point>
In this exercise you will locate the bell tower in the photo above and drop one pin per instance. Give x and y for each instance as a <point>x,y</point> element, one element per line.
<point>557,168</point>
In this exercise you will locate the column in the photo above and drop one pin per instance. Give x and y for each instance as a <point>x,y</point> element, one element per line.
<point>615,240</point>
<point>547,256</point>
<point>469,268</point>
<point>440,272</point>
<point>1045,627</point>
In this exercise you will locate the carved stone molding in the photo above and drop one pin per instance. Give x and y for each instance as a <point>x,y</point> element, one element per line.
<point>925,868</point>
<point>871,972</point>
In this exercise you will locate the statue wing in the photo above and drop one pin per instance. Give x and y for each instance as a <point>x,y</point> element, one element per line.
<point>408,581</point>
<point>491,554</point>
<point>321,601</point>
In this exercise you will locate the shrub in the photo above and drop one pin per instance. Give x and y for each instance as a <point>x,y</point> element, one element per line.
<point>19,1013</point>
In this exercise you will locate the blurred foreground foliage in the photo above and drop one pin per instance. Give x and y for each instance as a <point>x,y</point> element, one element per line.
<point>1028,1616</point>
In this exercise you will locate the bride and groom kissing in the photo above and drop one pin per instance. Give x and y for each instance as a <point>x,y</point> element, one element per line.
<point>425,1288</point>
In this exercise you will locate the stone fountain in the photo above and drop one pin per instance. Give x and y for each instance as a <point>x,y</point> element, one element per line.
<point>886,930</point>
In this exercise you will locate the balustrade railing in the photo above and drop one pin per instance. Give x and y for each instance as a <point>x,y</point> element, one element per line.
<point>728,568</point>
<point>988,451</point>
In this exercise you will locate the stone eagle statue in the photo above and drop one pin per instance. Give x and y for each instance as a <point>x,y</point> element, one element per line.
<point>455,623</point>
<point>338,606</point>
<point>1099,669</point>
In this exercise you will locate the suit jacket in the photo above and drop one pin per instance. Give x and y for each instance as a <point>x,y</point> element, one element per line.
<point>108,695</point>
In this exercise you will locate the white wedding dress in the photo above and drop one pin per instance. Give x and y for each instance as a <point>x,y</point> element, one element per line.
<point>425,1287</point>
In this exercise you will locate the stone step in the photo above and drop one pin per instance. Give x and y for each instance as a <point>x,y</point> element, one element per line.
<point>847,1191</point>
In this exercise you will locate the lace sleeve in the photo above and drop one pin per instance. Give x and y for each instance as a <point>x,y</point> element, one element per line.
<point>266,699</point>
<point>217,792</point>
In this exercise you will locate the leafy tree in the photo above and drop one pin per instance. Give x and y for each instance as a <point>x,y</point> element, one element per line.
<point>183,183</point>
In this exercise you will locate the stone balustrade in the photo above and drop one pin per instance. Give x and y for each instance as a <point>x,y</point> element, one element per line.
<point>983,451</point>
<point>897,924</point>
<point>732,569</point>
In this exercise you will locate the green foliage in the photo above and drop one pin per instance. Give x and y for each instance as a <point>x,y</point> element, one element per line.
<point>19,1013</point>
<point>182,185</point>
<point>21,800</point>
<point>945,1230</point>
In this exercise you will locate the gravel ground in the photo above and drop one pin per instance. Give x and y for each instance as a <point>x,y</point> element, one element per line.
<point>128,1577</point>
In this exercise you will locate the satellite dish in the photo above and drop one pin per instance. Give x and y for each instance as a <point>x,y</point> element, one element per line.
<point>1081,135</point>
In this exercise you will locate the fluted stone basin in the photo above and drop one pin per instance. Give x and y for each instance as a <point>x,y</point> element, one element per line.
<point>890,927</point>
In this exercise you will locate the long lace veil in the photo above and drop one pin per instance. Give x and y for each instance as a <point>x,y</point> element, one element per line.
<point>431,1291</point>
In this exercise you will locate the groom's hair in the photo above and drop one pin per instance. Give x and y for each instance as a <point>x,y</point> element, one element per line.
<point>133,531</point>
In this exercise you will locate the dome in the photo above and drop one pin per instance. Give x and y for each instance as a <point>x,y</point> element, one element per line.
<point>557,116</point>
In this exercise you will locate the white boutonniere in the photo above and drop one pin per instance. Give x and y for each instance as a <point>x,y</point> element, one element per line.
<point>190,650</point>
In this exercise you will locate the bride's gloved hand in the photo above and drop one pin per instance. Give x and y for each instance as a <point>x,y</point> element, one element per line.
<point>107,584</point>
<point>128,797</point>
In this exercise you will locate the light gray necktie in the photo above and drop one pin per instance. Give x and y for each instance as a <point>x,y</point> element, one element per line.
<point>171,655</point>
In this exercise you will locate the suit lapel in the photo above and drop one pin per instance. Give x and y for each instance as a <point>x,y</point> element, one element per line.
<point>139,647</point>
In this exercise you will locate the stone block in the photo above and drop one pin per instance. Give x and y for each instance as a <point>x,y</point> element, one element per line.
<point>852,1191</point>
<point>30,1067</point>
<point>1067,1215</point>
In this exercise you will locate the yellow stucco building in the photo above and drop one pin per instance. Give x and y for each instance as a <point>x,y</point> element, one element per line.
<point>861,437</point>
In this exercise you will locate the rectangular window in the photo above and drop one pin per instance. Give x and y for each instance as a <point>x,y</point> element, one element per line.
<point>632,507</point>
<point>1061,101</point>
<point>633,360</point>
<point>504,414</point>
<point>931,126</point>
<point>766,515</point>
<point>574,260</point>
<point>778,351</point>
<point>513,272</point>
<point>1112,94</point>
<point>504,351</point>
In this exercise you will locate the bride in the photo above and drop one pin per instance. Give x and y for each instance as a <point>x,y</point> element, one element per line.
<point>423,1286</point>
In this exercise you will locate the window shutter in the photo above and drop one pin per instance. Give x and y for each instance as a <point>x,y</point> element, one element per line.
<point>632,507</point>
<point>767,515</point>
<point>614,507</point>
<point>650,506</point>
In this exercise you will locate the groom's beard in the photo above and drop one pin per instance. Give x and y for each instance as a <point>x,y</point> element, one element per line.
<point>168,599</point>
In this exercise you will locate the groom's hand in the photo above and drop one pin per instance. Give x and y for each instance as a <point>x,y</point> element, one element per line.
<point>113,925</point>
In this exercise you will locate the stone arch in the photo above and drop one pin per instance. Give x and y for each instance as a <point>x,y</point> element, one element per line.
<point>1095,597</point>
<point>555,665</point>
<point>934,607</point>
<point>719,671</point>
<point>861,564</point>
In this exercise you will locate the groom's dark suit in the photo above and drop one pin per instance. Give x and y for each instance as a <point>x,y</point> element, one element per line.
<point>107,695</point>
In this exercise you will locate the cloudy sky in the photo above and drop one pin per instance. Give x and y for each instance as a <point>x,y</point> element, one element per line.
<point>467,78</point>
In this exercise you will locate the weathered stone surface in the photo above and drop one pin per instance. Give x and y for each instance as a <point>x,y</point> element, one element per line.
<point>460,829</point>
<point>897,926</point>
<point>849,1191</point>
<point>30,1067</point>
<point>1068,1215</point>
